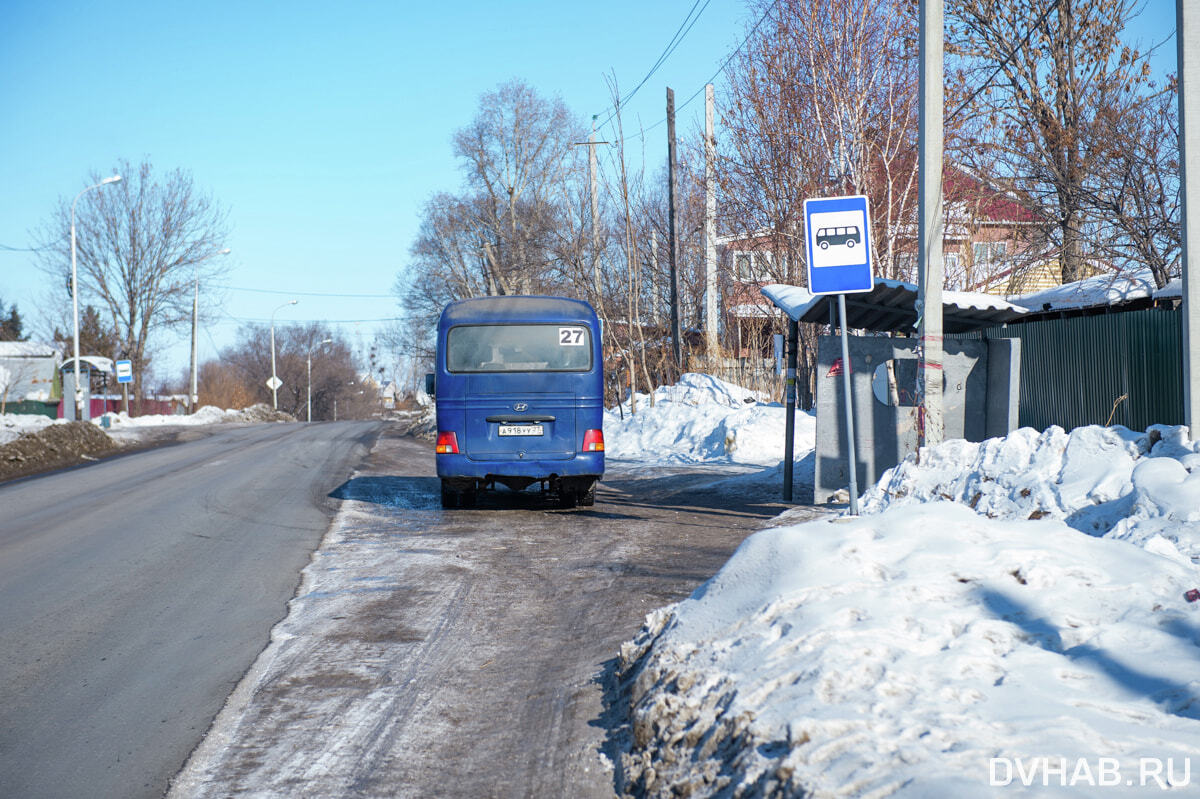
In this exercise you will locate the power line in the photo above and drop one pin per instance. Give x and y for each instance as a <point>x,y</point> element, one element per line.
<point>697,93</point>
<point>676,40</point>
<point>290,321</point>
<point>307,293</point>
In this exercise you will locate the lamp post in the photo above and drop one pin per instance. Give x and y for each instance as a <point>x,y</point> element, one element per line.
<point>195,396</point>
<point>310,352</point>
<point>75,292</point>
<point>274,379</point>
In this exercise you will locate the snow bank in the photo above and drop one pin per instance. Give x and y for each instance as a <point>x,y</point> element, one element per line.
<point>704,419</point>
<point>1007,613</point>
<point>208,414</point>
<point>898,654</point>
<point>15,425</point>
<point>1107,481</point>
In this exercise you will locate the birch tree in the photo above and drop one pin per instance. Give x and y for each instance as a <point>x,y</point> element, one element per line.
<point>140,245</point>
<point>516,156</point>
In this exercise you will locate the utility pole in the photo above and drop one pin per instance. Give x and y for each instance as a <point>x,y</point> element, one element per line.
<point>930,425</point>
<point>195,395</point>
<point>654,268</point>
<point>595,205</point>
<point>672,244</point>
<point>710,233</point>
<point>1187,39</point>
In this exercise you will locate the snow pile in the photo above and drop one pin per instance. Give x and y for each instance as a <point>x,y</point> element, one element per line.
<point>703,419</point>
<point>913,654</point>
<point>15,425</point>
<point>1106,289</point>
<point>1034,630</point>
<point>1099,480</point>
<point>208,414</point>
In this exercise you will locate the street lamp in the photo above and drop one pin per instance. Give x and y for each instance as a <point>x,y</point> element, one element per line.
<point>195,315</point>
<point>274,379</point>
<point>75,292</point>
<point>310,351</point>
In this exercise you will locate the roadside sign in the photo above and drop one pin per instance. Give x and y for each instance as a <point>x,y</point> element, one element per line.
<point>274,383</point>
<point>838,244</point>
<point>837,238</point>
<point>124,371</point>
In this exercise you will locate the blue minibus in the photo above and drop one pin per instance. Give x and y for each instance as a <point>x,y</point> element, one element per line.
<point>519,388</point>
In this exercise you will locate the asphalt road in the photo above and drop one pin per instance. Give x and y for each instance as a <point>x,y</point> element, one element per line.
<point>135,593</point>
<point>469,653</point>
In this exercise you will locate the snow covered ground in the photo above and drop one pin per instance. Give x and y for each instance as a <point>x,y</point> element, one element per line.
<point>702,419</point>
<point>1006,618</point>
<point>13,425</point>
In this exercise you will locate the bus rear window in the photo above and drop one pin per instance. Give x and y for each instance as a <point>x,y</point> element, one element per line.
<point>519,348</point>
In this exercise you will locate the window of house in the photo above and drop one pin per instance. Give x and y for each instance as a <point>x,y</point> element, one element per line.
<point>950,269</point>
<point>763,266</point>
<point>742,266</point>
<point>753,267</point>
<point>989,252</point>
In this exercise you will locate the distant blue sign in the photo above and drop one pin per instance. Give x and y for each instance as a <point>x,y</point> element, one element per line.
<point>838,243</point>
<point>124,371</point>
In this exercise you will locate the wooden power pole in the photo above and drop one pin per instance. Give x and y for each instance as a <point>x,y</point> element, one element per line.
<point>672,243</point>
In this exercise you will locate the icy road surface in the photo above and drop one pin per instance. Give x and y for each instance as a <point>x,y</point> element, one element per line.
<point>467,652</point>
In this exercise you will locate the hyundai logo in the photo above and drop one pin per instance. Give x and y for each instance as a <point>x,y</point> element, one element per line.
<point>521,406</point>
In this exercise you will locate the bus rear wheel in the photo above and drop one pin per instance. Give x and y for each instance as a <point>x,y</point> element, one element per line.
<point>453,497</point>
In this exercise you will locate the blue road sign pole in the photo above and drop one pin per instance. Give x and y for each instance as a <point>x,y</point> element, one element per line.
<point>838,244</point>
<point>789,432</point>
<point>849,408</point>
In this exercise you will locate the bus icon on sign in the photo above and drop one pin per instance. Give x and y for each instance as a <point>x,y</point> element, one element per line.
<point>838,237</point>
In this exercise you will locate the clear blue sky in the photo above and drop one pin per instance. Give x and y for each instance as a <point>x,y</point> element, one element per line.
<point>322,127</point>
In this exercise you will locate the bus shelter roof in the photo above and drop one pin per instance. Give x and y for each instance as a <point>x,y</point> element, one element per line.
<point>891,307</point>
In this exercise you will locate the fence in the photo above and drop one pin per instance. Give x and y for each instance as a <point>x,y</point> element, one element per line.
<point>1114,368</point>
<point>756,374</point>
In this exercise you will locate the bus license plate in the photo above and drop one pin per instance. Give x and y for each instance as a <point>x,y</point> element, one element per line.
<point>521,430</point>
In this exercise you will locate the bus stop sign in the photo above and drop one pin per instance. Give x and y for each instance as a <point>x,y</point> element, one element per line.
<point>838,243</point>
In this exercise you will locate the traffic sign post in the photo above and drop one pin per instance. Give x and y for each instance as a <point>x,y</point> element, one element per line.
<point>837,237</point>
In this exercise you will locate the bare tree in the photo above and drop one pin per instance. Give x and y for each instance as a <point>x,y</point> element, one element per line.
<point>822,100</point>
<point>516,155</point>
<point>336,376</point>
<point>1040,78</point>
<point>140,244</point>
<point>1137,185</point>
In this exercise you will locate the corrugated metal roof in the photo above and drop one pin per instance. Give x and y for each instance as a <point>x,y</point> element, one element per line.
<point>891,307</point>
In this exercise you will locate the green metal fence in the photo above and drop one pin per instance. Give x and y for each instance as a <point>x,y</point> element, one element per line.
<point>1074,370</point>
<point>33,407</point>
